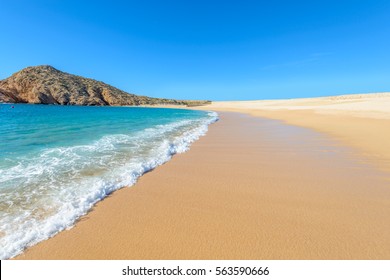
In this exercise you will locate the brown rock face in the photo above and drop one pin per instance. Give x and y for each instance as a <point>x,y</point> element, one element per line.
<point>47,85</point>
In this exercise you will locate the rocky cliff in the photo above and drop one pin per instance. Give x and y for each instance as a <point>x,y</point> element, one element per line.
<point>47,85</point>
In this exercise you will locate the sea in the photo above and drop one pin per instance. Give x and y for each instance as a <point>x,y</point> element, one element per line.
<point>56,162</point>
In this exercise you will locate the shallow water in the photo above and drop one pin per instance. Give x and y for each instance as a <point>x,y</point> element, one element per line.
<point>56,162</point>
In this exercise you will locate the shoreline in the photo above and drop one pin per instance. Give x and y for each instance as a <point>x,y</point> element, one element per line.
<point>361,121</point>
<point>236,195</point>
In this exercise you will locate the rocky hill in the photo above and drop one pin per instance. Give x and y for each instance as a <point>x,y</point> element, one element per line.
<point>47,85</point>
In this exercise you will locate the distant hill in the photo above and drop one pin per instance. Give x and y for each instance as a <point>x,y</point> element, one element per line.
<point>47,85</point>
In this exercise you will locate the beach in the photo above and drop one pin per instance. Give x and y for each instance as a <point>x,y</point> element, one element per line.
<point>361,121</point>
<point>303,181</point>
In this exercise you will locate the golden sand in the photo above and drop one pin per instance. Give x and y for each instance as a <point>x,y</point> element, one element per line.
<point>358,120</point>
<point>252,188</point>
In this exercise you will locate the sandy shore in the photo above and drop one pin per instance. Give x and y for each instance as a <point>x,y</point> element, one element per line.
<point>253,188</point>
<point>358,120</point>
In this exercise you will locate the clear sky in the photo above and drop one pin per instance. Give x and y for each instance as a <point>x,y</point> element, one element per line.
<point>217,50</point>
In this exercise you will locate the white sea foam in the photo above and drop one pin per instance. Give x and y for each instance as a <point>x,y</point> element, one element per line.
<point>60,185</point>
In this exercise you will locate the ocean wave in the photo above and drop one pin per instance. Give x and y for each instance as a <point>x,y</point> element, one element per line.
<point>59,185</point>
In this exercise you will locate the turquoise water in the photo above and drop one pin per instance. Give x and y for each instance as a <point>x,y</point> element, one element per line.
<point>56,162</point>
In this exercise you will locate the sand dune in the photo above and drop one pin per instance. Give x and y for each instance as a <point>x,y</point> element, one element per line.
<point>373,105</point>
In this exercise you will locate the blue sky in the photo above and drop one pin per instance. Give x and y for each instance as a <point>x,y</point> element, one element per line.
<point>217,50</point>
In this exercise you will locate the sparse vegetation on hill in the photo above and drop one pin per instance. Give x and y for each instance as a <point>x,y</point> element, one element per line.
<point>47,85</point>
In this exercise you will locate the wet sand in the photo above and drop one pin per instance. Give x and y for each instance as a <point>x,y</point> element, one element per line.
<point>252,188</point>
<point>361,121</point>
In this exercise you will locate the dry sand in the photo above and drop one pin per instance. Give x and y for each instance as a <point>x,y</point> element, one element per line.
<point>253,188</point>
<point>358,120</point>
